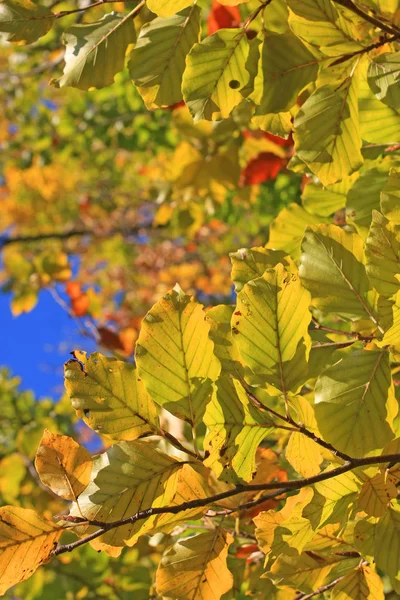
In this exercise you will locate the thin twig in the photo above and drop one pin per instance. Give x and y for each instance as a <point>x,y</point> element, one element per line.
<point>349,4</point>
<point>290,485</point>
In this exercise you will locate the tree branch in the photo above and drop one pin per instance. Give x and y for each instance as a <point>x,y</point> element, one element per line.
<point>290,485</point>
<point>349,4</point>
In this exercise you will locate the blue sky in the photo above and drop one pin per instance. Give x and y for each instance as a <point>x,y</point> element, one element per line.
<point>36,345</point>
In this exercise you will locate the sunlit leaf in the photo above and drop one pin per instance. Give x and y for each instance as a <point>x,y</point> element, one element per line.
<point>24,21</point>
<point>382,250</point>
<point>376,494</point>
<point>363,583</point>
<point>302,452</point>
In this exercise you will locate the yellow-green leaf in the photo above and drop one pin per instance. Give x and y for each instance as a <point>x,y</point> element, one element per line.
<point>376,493</point>
<point>302,452</point>
<point>271,319</point>
<point>384,78</point>
<point>215,73</point>
<point>327,136</point>
<point>287,229</point>
<point>390,198</point>
<point>353,402</point>
<point>63,465</point>
<point>26,542</point>
<point>387,542</point>
<point>195,568</point>
<point>175,356</point>
<point>361,584</point>
<point>110,397</point>
<point>157,62</point>
<point>235,430</point>
<point>382,250</point>
<point>167,8</point>
<point>250,263</point>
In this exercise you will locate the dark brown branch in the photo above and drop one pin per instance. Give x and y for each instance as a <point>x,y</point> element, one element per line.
<point>239,489</point>
<point>345,57</point>
<point>352,334</point>
<point>65,13</point>
<point>349,4</point>
<point>300,428</point>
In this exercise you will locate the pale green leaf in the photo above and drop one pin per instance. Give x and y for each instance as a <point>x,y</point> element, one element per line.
<point>277,124</point>
<point>109,396</point>
<point>215,73</point>
<point>391,336</point>
<point>384,78</point>
<point>382,251</point>
<point>128,477</point>
<point>332,499</point>
<point>327,136</point>
<point>352,403</point>
<point>167,8</point>
<point>320,23</point>
<point>175,356</point>
<point>24,21</point>
<point>250,263</point>
<point>326,200</point>
<point>195,568</point>
<point>235,430</point>
<point>286,67</point>
<point>364,195</point>
<point>157,62</point>
<point>271,319</point>
<point>225,348</point>
<point>95,52</point>
<point>332,268</point>
<point>287,229</point>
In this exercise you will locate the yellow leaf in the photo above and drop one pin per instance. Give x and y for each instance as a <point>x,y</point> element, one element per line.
<point>26,542</point>
<point>361,584</point>
<point>302,452</point>
<point>196,568</point>
<point>376,494</point>
<point>63,465</point>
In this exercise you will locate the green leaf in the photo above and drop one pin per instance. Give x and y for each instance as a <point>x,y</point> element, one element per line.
<point>364,195</point>
<point>286,67</point>
<point>353,401</point>
<point>270,321</point>
<point>390,198</point>
<point>391,336</point>
<point>379,123</point>
<point>287,229</point>
<point>235,430</point>
<point>384,78</point>
<point>109,396</point>
<point>225,348</point>
<point>327,136</point>
<point>331,500</point>
<point>382,250</point>
<point>279,124</point>
<point>128,477</point>
<point>250,263</point>
<point>320,23</point>
<point>167,8</point>
<point>24,21</point>
<point>157,62</point>
<point>196,567</point>
<point>387,542</point>
<point>95,52</point>
<point>175,356</point>
<point>215,73</point>
<point>332,268</point>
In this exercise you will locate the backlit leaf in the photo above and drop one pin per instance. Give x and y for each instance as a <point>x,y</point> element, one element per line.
<point>384,78</point>
<point>382,250</point>
<point>195,568</point>
<point>63,465</point>
<point>250,263</point>
<point>376,494</point>
<point>302,452</point>
<point>287,229</point>
<point>352,402</point>
<point>390,197</point>
<point>387,542</point>
<point>215,73</point>
<point>24,21</point>
<point>167,8</point>
<point>110,397</point>
<point>362,584</point>
<point>26,542</point>
<point>157,62</point>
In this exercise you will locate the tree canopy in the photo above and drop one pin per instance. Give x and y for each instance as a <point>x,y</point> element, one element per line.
<point>211,190</point>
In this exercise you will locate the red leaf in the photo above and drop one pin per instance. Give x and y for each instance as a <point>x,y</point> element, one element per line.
<point>73,289</point>
<point>245,551</point>
<point>222,17</point>
<point>80,305</point>
<point>263,168</point>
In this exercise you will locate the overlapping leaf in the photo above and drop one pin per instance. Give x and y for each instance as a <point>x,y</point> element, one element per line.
<point>195,568</point>
<point>390,198</point>
<point>302,452</point>
<point>157,62</point>
<point>63,465</point>
<point>110,397</point>
<point>175,356</point>
<point>95,52</point>
<point>363,583</point>
<point>376,493</point>
<point>327,134</point>
<point>384,78</point>
<point>235,430</point>
<point>332,268</point>
<point>382,250</point>
<point>167,8</point>
<point>215,73</point>
<point>271,319</point>
<point>387,541</point>
<point>353,403</point>
<point>250,263</point>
